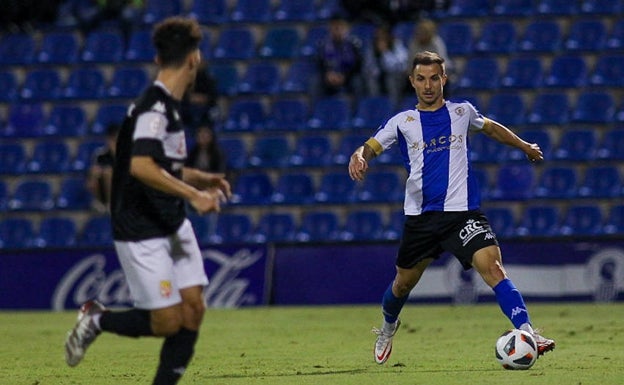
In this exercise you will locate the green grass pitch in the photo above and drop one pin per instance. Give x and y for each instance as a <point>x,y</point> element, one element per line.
<point>437,345</point>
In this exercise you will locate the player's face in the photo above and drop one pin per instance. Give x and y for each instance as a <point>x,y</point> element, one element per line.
<point>428,82</point>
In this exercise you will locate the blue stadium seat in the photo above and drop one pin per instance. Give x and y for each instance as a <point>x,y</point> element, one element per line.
<point>25,120</point>
<point>128,82</point>
<point>31,195</point>
<point>49,157</point>
<point>235,43</point>
<point>275,227</point>
<point>586,35</point>
<point>96,232</point>
<point>594,107</point>
<point>557,182</point>
<point>556,7</point>
<point>16,233</point>
<point>512,8</point>
<point>74,195</point>
<point>68,120</point>
<point>541,36</point>
<point>58,48</point>
<point>9,86</point>
<point>540,136</point>
<point>394,227</point>
<point>326,8</point>
<point>12,158</point>
<point>611,147</point>
<point>372,111</point>
<point>335,187</point>
<point>608,72</point>
<point>539,221</point>
<point>232,228</point>
<point>227,73</point>
<point>17,49</point>
<point>251,11</point>
<point>312,151</point>
<point>496,37</point>
<point>252,189</point>
<point>236,152</point>
<point>514,182</point>
<point>363,226</point>
<point>103,47</point>
<point>311,39</point>
<point>298,76</point>
<point>84,154</point>
<point>601,182</point>
<point>157,10</point>
<point>319,226</point>
<point>486,150</point>
<point>364,32</point>
<point>330,113</point>
<point>203,226</point>
<point>502,220</point>
<point>458,37</point>
<point>567,71</point>
<point>209,11</point>
<point>293,189</point>
<point>260,78</point>
<point>288,114</point>
<point>84,83</point>
<point>270,151</point>
<point>581,220</point>
<point>601,7</point>
<point>280,43</point>
<point>469,8</point>
<point>245,115</point>
<point>206,45</point>
<point>347,144</point>
<point>295,10</point>
<point>577,145</point>
<point>549,108</point>
<point>108,114</point>
<point>4,194</point>
<point>615,39</point>
<point>483,182</point>
<point>41,85</point>
<point>614,223</point>
<point>479,73</point>
<point>404,31</point>
<point>381,186</point>
<point>57,232</point>
<point>140,47</point>
<point>523,72</point>
<point>507,108</point>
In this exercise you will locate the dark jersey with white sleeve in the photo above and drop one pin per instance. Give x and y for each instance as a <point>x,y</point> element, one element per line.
<point>152,127</point>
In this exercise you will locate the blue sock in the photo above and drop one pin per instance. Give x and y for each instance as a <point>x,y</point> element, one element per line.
<point>511,303</point>
<point>391,306</point>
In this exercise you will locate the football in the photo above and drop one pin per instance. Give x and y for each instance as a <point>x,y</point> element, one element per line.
<point>516,350</point>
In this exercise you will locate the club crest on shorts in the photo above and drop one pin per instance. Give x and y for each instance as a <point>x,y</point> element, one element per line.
<point>165,289</point>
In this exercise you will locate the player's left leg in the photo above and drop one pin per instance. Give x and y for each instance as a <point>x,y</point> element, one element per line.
<point>488,263</point>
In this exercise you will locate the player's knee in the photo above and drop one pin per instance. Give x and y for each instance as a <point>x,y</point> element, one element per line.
<point>166,324</point>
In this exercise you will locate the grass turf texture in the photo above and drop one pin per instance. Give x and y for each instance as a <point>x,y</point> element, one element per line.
<point>437,345</point>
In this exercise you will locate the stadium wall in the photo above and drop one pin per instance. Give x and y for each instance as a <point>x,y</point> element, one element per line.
<point>319,274</point>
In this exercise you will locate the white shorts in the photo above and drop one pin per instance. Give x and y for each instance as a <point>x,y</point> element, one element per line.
<point>156,269</point>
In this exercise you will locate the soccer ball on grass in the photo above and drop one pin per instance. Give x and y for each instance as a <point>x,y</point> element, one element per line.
<point>516,350</point>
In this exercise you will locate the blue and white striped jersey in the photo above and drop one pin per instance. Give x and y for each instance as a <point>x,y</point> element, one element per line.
<point>435,149</point>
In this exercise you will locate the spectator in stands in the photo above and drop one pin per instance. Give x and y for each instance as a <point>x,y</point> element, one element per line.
<point>426,38</point>
<point>339,58</point>
<point>199,105</point>
<point>91,14</point>
<point>385,65</point>
<point>100,172</point>
<point>441,206</point>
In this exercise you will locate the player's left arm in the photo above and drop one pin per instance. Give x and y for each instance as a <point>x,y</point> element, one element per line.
<point>504,135</point>
<point>206,180</point>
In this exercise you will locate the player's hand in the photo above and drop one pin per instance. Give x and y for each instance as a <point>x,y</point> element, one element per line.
<point>534,152</point>
<point>208,200</point>
<point>357,166</point>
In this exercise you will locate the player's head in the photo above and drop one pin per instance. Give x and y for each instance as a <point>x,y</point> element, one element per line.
<point>428,78</point>
<point>176,40</point>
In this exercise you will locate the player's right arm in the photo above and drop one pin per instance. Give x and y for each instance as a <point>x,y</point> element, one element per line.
<point>358,163</point>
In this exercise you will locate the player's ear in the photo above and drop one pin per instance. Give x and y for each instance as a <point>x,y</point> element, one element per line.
<point>194,59</point>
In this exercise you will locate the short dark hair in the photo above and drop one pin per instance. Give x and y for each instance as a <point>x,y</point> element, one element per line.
<point>174,38</point>
<point>428,58</point>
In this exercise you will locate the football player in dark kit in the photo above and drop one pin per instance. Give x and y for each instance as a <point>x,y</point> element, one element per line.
<point>154,240</point>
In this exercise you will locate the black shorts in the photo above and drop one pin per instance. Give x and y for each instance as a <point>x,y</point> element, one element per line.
<point>427,235</point>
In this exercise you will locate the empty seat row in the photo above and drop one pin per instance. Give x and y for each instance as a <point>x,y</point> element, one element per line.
<point>38,194</point>
<point>526,8</point>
